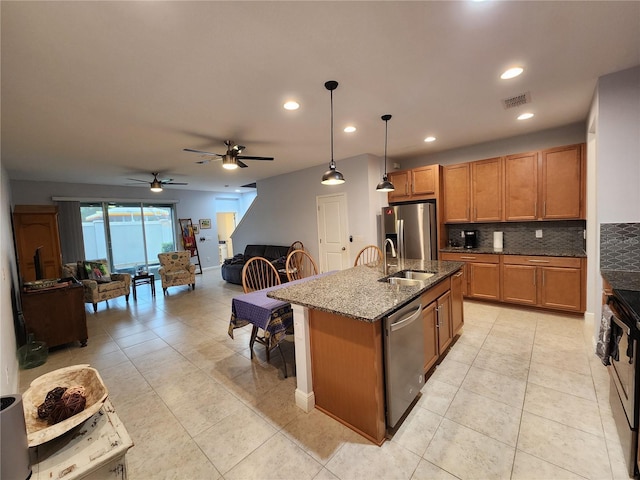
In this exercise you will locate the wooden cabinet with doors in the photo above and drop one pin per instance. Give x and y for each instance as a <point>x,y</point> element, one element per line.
<point>481,278</point>
<point>473,191</point>
<point>551,282</point>
<point>436,317</point>
<point>457,198</point>
<point>457,307</point>
<point>521,186</point>
<point>563,183</point>
<point>37,226</point>
<point>546,185</point>
<point>416,184</point>
<point>486,190</point>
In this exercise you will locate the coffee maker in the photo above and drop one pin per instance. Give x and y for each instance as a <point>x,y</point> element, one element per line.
<point>470,238</point>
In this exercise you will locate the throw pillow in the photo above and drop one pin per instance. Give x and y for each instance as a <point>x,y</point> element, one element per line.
<point>81,272</point>
<point>97,271</point>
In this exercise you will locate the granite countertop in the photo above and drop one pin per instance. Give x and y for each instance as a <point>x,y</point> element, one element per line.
<point>357,293</point>
<point>622,280</point>
<point>518,251</point>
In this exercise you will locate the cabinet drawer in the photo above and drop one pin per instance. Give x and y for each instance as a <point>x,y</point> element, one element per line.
<point>470,257</point>
<point>540,261</point>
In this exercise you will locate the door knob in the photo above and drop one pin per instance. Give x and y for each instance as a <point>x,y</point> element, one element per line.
<point>344,248</point>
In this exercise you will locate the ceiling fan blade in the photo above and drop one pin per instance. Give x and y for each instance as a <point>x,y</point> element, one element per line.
<point>247,157</point>
<point>136,180</point>
<point>201,152</point>
<point>241,164</point>
<point>174,183</point>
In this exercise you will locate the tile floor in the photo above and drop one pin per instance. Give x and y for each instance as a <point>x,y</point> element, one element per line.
<point>518,396</point>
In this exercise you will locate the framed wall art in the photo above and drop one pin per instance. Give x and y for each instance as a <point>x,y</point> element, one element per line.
<point>205,223</point>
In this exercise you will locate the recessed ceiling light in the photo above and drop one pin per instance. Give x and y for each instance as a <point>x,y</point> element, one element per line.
<point>511,73</point>
<point>349,129</point>
<point>430,139</point>
<point>291,105</point>
<point>525,116</point>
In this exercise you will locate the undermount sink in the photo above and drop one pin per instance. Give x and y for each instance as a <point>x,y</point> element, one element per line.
<point>406,282</point>
<point>408,278</point>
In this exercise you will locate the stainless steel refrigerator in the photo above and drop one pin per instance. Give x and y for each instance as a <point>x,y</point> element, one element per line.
<point>412,228</point>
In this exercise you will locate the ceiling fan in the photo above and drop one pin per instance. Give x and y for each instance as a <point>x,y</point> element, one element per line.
<point>157,184</point>
<point>230,160</point>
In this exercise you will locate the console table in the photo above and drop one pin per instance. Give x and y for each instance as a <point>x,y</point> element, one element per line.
<point>56,315</point>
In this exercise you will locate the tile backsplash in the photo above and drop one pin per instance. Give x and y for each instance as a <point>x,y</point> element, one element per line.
<point>556,235</point>
<point>620,246</point>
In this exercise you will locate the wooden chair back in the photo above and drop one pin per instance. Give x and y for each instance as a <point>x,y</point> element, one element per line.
<point>259,273</point>
<point>300,265</point>
<point>369,254</point>
<point>297,245</point>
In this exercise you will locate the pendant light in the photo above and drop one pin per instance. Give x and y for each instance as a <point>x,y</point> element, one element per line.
<point>385,185</point>
<point>332,176</point>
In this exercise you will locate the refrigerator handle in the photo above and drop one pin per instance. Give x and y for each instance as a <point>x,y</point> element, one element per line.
<point>400,245</point>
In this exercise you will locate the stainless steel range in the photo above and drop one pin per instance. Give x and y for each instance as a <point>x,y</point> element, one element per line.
<point>624,395</point>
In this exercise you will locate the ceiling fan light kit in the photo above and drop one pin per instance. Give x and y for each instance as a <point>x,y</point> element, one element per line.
<point>332,176</point>
<point>385,185</point>
<point>231,159</point>
<point>156,185</point>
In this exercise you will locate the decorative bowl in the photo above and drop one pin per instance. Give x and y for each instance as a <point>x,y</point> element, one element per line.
<point>38,430</point>
<point>38,284</point>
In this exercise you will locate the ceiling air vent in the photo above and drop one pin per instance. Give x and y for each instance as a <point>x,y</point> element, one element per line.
<point>516,100</point>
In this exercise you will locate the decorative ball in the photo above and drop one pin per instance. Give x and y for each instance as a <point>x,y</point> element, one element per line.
<point>44,409</point>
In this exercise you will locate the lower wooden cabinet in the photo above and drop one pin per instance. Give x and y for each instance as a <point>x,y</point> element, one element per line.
<point>481,277</point>
<point>550,282</point>
<point>437,319</point>
<point>556,283</point>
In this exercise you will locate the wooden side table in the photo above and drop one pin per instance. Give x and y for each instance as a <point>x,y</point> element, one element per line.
<point>144,279</point>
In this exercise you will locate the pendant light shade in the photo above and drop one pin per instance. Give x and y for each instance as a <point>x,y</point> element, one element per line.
<point>385,185</point>
<point>332,176</point>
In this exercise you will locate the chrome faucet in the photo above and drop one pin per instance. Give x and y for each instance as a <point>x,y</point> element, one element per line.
<point>393,254</point>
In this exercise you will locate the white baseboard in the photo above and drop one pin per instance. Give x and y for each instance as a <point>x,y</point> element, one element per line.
<point>306,402</point>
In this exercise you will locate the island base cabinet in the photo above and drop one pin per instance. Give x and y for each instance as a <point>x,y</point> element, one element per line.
<point>457,306</point>
<point>347,365</point>
<point>438,327</point>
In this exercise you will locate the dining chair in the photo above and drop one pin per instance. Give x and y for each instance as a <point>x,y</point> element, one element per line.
<point>297,245</point>
<point>259,273</point>
<point>369,254</point>
<point>300,265</point>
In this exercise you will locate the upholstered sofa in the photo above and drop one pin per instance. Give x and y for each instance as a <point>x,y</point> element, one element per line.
<point>98,282</point>
<point>232,267</point>
<point>176,269</point>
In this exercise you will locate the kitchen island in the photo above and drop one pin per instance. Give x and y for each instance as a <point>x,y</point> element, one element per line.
<point>339,337</point>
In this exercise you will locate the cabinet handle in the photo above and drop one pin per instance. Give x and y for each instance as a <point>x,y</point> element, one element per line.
<point>538,261</point>
<point>468,258</point>
<point>543,278</point>
<point>534,276</point>
<point>459,274</point>
<point>475,213</point>
<point>535,208</point>
<point>544,209</point>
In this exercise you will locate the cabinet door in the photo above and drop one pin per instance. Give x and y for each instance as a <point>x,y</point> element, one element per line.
<point>484,280</point>
<point>521,186</point>
<point>431,350</point>
<point>519,284</point>
<point>424,180</point>
<point>400,181</point>
<point>443,313</point>
<point>561,288</point>
<point>562,193</point>
<point>486,190</point>
<point>457,308</point>
<point>456,193</point>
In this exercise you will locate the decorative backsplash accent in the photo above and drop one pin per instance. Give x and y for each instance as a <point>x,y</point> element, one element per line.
<point>620,246</point>
<point>556,236</point>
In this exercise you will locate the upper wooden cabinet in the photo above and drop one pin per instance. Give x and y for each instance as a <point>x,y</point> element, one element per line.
<point>418,184</point>
<point>37,226</point>
<point>473,191</point>
<point>457,198</point>
<point>562,178</point>
<point>486,190</point>
<point>521,186</point>
<point>544,185</point>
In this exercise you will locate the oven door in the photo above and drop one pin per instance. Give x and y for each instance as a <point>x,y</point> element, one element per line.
<point>623,367</point>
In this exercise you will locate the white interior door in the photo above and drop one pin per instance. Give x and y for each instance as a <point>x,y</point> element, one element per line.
<point>332,232</point>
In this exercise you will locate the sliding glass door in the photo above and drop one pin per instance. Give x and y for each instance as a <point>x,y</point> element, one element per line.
<point>129,235</point>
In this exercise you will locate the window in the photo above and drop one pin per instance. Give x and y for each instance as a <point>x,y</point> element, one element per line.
<point>132,235</point>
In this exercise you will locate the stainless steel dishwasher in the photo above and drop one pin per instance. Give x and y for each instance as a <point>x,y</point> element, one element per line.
<point>404,359</point>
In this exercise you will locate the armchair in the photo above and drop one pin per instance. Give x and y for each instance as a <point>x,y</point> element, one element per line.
<point>176,269</point>
<point>102,285</point>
